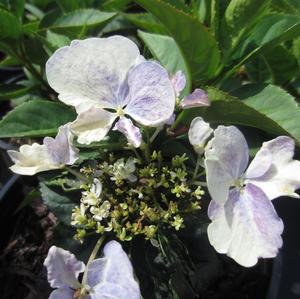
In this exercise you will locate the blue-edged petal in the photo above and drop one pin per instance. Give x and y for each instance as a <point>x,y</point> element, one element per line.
<point>283,176</point>
<point>198,98</point>
<point>63,268</point>
<point>62,293</point>
<point>132,133</point>
<point>247,227</point>
<point>151,97</point>
<point>226,158</point>
<point>92,71</point>
<point>60,148</point>
<point>112,275</point>
<point>178,82</point>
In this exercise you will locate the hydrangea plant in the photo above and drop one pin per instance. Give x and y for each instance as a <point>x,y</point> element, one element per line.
<point>136,161</point>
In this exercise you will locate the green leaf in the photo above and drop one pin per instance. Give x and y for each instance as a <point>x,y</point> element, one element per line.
<point>240,16</point>
<point>15,6</point>
<point>35,118</point>
<point>70,5</point>
<point>262,106</point>
<point>60,205</point>
<point>81,18</point>
<point>277,66</point>
<point>145,21</point>
<point>10,91</point>
<point>164,49</point>
<point>197,44</point>
<point>56,41</point>
<point>271,31</point>
<point>10,27</point>
<point>115,5</point>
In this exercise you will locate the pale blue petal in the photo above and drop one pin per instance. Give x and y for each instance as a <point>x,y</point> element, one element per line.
<point>178,82</point>
<point>62,293</point>
<point>60,148</point>
<point>226,158</point>
<point>247,227</point>
<point>113,274</point>
<point>62,268</point>
<point>132,133</point>
<point>198,98</point>
<point>92,71</point>
<point>151,98</point>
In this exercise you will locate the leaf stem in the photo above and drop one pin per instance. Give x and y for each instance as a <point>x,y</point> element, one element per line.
<point>77,174</point>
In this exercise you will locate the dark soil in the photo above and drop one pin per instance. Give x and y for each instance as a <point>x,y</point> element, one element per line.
<point>22,275</point>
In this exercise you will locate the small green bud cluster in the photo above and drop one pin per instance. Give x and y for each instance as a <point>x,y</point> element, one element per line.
<point>129,198</point>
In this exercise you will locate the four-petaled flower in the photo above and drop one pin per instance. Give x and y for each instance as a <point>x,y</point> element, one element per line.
<point>110,277</point>
<point>107,79</point>
<point>245,224</point>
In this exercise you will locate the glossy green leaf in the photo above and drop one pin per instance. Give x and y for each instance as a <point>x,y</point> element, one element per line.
<point>240,16</point>
<point>60,205</point>
<point>270,32</point>
<point>57,40</point>
<point>79,19</point>
<point>10,27</point>
<point>145,21</point>
<point>262,106</point>
<point>35,118</point>
<point>197,44</point>
<point>164,49</point>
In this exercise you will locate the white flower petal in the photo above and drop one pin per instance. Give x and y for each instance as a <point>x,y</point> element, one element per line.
<point>62,293</point>
<point>151,98</point>
<point>112,275</point>
<point>92,71</point>
<point>226,158</point>
<point>178,82</point>
<point>247,227</point>
<point>92,125</point>
<point>31,159</point>
<point>132,133</point>
<point>283,177</point>
<point>199,132</point>
<point>198,98</point>
<point>63,268</point>
<point>60,148</point>
<point>260,164</point>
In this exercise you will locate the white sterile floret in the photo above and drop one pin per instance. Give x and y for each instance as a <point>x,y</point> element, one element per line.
<point>199,133</point>
<point>54,153</point>
<point>109,73</point>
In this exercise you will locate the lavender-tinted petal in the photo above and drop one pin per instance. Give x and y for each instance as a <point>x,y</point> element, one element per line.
<point>247,227</point>
<point>260,164</point>
<point>113,291</point>
<point>63,268</point>
<point>283,176</point>
<point>92,125</point>
<point>90,72</point>
<point>198,98</point>
<point>151,94</point>
<point>31,159</point>
<point>114,270</point>
<point>62,293</point>
<point>60,148</point>
<point>132,133</point>
<point>178,82</point>
<point>226,158</point>
<point>199,132</point>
